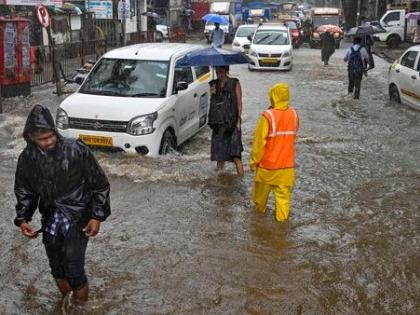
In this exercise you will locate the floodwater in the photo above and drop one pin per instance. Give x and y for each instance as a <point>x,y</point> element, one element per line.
<point>183,239</point>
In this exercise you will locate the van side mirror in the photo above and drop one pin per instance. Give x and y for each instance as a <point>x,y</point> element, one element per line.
<point>249,37</point>
<point>181,85</point>
<point>246,46</point>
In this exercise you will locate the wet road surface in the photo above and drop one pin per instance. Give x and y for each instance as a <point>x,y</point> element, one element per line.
<point>183,239</point>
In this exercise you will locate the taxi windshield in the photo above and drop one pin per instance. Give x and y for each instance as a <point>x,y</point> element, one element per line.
<point>127,78</point>
<point>271,37</point>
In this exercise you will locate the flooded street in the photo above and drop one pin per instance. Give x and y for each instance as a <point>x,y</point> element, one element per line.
<point>183,239</point>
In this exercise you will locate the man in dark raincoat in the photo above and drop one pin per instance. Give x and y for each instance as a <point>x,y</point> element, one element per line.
<point>61,178</point>
<point>327,46</point>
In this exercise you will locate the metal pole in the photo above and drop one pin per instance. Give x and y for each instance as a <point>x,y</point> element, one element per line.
<point>359,6</point>
<point>55,65</point>
<point>123,26</point>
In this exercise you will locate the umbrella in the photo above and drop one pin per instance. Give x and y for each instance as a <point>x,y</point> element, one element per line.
<point>365,30</point>
<point>212,57</point>
<point>150,14</point>
<point>329,28</point>
<point>215,18</point>
<point>413,15</point>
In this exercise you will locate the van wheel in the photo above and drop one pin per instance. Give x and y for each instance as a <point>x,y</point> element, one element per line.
<point>393,41</point>
<point>394,95</point>
<point>168,143</point>
<point>250,69</point>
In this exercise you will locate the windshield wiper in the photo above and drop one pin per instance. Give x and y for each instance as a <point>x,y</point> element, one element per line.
<point>274,39</point>
<point>146,94</point>
<point>261,39</point>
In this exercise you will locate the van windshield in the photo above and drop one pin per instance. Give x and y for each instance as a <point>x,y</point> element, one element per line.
<point>319,20</point>
<point>127,78</point>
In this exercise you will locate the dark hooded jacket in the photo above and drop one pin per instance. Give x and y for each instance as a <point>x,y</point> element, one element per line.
<point>67,178</point>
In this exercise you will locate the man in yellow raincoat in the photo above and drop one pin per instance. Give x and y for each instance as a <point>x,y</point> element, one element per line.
<point>273,153</point>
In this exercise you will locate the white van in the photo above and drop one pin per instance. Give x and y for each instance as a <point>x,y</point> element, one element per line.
<point>136,99</point>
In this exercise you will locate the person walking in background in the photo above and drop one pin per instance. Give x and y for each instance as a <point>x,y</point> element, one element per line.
<point>61,178</point>
<point>273,153</point>
<point>225,120</point>
<point>356,58</point>
<point>416,33</point>
<point>367,43</point>
<point>217,36</point>
<point>327,46</point>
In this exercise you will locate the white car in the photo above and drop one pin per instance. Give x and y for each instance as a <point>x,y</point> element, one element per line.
<point>404,78</point>
<point>136,99</point>
<point>241,36</point>
<point>271,48</point>
<point>162,32</point>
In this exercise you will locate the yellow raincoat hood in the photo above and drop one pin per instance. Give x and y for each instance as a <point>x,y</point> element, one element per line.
<point>279,96</point>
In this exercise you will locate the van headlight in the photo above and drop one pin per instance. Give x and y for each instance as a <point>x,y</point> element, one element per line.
<point>286,54</point>
<point>142,125</point>
<point>253,53</point>
<point>61,119</point>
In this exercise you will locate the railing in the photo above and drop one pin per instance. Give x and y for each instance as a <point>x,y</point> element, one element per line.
<point>72,56</point>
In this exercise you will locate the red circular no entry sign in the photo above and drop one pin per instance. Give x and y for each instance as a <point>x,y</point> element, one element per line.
<point>43,16</point>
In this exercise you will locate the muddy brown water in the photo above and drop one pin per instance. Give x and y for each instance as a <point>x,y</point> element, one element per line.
<point>183,239</point>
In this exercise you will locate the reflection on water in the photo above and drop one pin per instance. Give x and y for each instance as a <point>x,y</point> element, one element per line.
<point>185,239</point>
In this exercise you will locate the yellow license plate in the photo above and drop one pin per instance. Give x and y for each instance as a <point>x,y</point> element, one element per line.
<point>96,140</point>
<point>269,60</point>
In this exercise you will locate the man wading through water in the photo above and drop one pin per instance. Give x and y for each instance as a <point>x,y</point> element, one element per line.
<point>61,178</point>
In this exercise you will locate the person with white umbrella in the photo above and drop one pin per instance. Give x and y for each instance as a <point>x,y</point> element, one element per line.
<point>416,33</point>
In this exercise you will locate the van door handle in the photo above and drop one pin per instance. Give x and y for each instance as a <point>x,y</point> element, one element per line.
<point>413,77</point>
<point>195,94</point>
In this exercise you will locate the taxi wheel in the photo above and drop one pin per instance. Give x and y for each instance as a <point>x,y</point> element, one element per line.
<point>394,95</point>
<point>168,143</point>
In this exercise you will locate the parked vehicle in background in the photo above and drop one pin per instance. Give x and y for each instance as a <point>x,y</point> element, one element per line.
<point>404,78</point>
<point>232,11</point>
<point>200,9</point>
<point>256,13</point>
<point>241,37</point>
<point>162,32</point>
<point>295,31</point>
<point>271,48</point>
<point>136,99</point>
<point>320,18</point>
<point>397,27</point>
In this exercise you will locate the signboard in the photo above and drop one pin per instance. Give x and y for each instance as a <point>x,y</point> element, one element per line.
<point>102,9</point>
<point>43,16</point>
<point>123,10</point>
<point>57,3</point>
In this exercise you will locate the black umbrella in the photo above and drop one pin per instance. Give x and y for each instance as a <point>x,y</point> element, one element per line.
<point>150,14</point>
<point>365,30</point>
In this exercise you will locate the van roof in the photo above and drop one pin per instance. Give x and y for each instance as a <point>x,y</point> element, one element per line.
<point>151,51</point>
